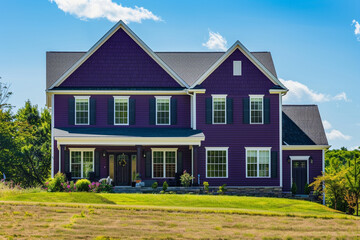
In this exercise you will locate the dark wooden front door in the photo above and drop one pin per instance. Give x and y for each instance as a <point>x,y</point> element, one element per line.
<point>123,169</point>
<point>299,175</point>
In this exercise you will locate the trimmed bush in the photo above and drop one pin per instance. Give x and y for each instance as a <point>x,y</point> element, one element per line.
<point>56,184</point>
<point>186,179</point>
<point>222,189</point>
<point>293,188</point>
<point>165,186</point>
<point>155,185</point>
<point>83,185</point>
<point>307,189</point>
<point>206,187</point>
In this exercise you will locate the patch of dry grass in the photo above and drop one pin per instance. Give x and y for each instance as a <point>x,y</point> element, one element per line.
<point>24,221</point>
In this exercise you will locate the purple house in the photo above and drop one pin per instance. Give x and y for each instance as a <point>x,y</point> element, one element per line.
<point>120,109</point>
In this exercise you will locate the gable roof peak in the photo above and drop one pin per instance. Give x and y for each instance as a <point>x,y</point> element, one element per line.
<point>98,44</point>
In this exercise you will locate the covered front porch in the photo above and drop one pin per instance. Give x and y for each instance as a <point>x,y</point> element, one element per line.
<point>153,154</point>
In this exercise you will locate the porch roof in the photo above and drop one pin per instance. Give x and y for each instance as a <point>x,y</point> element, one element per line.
<point>129,136</point>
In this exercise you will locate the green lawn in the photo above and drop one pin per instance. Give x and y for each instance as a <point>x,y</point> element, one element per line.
<point>234,204</point>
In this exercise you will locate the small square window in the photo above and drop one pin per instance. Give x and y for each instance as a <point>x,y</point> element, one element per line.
<point>237,68</point>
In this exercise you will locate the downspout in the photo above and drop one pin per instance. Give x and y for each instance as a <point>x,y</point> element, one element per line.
<point>52,134</point>
<point>280,140</point>
<point>323,173</point>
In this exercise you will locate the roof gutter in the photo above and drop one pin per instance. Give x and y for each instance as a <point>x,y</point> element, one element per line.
<point>305,147</point>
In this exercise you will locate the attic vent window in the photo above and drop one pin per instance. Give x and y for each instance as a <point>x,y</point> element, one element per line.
<point>237,68</point>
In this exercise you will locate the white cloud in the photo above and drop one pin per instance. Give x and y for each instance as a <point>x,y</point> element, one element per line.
<point>91,9</point>
<point>326,125</point>
<point>216,42</point>
<point>336,134</point>
<point>354,147</point>
<point>299,92</point>
<point>357,28</point>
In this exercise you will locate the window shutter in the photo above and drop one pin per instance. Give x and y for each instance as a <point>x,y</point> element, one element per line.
<point>208,111</point>
<point>274,164</point>
<point>132,111</point>
<point>266,110</point>
<point>179,166</point>
<point>92,111</point>
<point>229,110</point>
<point>173,111</point>
<point>66,161</point>
<point>152,109</point>
<point>148,164</point>
<point>111,111</point>
<point>71,111</point>
<point>97,164</point>
<point>246,110</point>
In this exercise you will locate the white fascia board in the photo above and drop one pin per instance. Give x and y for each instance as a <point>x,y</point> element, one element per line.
<point>132,141</point>
<point>277,91</point>
<point>248,54</point>
<point>305,147</point>
<point>99,43</point>
<point>118,92</point>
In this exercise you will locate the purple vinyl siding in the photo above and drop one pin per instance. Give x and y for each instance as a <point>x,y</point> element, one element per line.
<point>237,135</point>
<point>141,111</point>
<point>120,62</point>
<point>315,168</point>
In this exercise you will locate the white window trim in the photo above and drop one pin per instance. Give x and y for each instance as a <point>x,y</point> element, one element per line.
<point>164,159</point>
<point>212,110</point>
<point>122,97</point>
<point>257,160</point>
<point>227,159</point>
<point>234,63</point>
<point>262,107</point>
<point>83,98</point>
<point>156,109</point>
<point>299,158</point>
<point>82,150</point>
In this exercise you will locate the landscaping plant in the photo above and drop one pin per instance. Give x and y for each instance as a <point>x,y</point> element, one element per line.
<point>56,184</point>
<point>206,187</point>
<point>154,186</point>
<point>186,179</point>
<point>165,186</point>
<point>222,189</point>
<point>83,185</point>
<point>293,188</point>
<point>307,189</point>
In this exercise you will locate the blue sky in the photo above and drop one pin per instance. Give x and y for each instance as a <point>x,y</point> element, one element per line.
<point>315,44</point>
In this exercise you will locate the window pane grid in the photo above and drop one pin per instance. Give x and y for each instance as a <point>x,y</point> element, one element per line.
<point>216,163</point>
<point>219,109</point>
<point>258,163</point>
<point>121,111</point>
<point>82,162</point>
<point>163,111</point>
<point>164,164</point>
<point>82,111</point>
<point>256,107</point>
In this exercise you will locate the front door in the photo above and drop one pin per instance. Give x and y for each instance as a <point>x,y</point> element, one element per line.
<point>123,169</point>
<point>299,175</point>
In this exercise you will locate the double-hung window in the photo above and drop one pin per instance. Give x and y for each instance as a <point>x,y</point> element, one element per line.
<point>219,109</point>
<point>256,109</point>
<point>82,112</point>
<point>121,110</point>
<point>164,162</point>
<point>216,162</point>
<point>163,110</point>
<point>81,162</point>
<point>258,162</point>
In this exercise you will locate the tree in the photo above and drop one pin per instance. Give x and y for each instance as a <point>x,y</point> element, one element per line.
<point>353,178</point>
<point>5,94</point>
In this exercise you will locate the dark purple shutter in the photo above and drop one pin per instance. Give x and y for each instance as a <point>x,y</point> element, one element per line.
<point>66,161</point>
<point>173,111</point>
<point>208,110</point>
<point>71,111</point>
<point>229,110</point>
<point>132,116</point>
<point>266,110</point>
<point>274,164</point>
<point>152,109</point>
<point>97,164</point>
<point>180,168</point>
<point>92,111</point>
<point>111,111</point>
<point>148,164</point>
<point>246,110</point>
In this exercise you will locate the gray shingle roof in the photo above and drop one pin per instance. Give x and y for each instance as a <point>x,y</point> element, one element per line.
<point>188,65</point>
<point>302,125</point>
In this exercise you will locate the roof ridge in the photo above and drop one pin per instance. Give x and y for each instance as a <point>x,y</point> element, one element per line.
<point>66,51</point>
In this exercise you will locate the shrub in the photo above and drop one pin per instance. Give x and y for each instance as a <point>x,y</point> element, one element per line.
<point>100,187</point>
<point>186,179</point>
<point>56,184</point>
<point>83,185</point>
<point>307,189</point>
<point>165,186</point>
<point>155,185</point>
<point>222,189</point>
<point>206,187</point>
<point>293,188</point>
<point>69,186</point>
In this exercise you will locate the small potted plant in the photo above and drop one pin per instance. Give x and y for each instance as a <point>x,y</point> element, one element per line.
<point>137,178</point>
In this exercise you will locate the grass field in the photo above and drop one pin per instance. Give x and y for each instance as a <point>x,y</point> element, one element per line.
<point>154,216</point>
